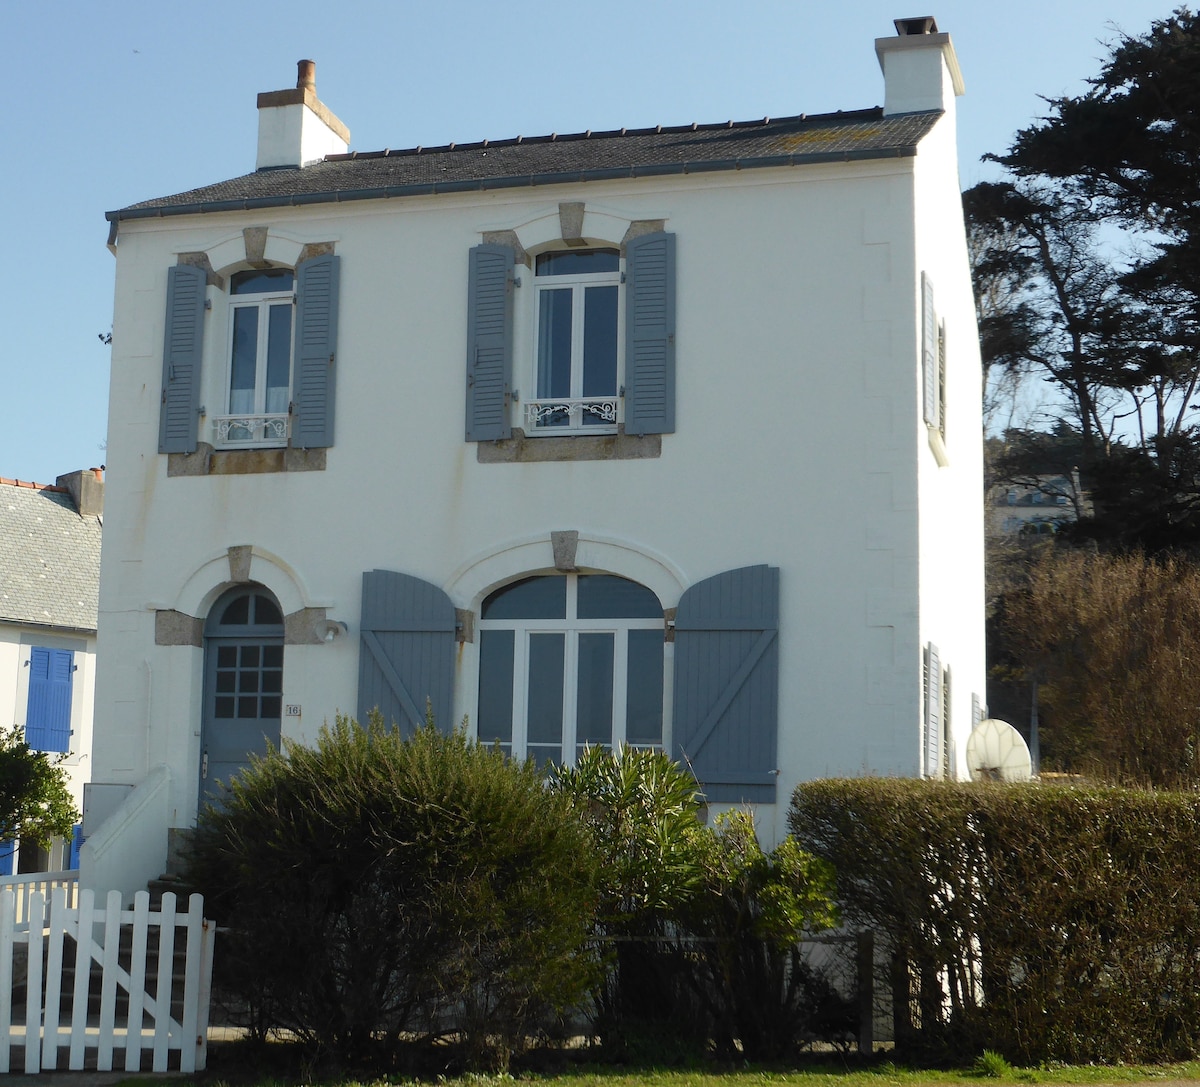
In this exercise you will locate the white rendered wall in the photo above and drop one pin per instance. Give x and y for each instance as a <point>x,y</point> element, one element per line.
<point>798,444</point>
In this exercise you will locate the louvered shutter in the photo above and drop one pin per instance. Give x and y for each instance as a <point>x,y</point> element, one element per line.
<point>726,703</point>
<point>489,342</point>
<point>48,714</point>
<point>182,348</point>
<point>929,354</point>
<point>933,711</point>
<point>650,334</point>
<point>77,840</point>
<point>408,651</point>
<point>314,380</point>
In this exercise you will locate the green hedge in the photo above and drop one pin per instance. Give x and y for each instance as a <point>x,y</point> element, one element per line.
<point>1044,922</point>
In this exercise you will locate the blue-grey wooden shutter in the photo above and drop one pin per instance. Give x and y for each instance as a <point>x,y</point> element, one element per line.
<point>929,354</point>
<point>408,651</point>
<point>183,342</point>
<point>933,712</point>
<point>316,352</point>
<point>489,342</point>
<point>48,713</point>
<point>650,334</point>
<point>727,684</point>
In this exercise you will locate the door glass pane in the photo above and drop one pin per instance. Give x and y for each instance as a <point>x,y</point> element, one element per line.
<point>279,355</point>
<point>533,598</point>
<point>644,692</point>
<point>594,695</point>
<point>545,689</point>
<point>248,657</point>
<point>604,596</point>
<point>554,351</point>
<point>265,611</point>
<point>599,346</point>
<point>236,614</point>
<point>261,281</point>
<point>495,687</point>
<point>244,360</point>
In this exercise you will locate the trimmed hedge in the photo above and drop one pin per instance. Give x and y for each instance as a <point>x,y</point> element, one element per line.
<point>1043,922</point>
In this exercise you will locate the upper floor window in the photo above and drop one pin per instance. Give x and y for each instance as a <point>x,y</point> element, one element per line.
<point>260,359</point>
<point>567,661</point>
<point>576,380</point>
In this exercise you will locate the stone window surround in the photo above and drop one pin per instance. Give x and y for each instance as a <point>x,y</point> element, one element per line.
<point>256,247</point>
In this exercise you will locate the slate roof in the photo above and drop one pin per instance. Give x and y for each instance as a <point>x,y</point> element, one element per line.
<point>554,159</point>
<point>49,559</point>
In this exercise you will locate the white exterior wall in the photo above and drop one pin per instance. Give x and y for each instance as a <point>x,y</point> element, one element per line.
<point>950,496</point>
<point>15,645</point>
<point>799,443</point>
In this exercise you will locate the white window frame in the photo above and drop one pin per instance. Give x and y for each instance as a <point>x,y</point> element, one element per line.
<point>257,428</point>
<point>572,627</point>
<point>611,409</point>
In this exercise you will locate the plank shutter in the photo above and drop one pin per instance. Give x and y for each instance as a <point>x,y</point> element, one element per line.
<point>727,684</point>
<point>489,342</point>
<point>48,715</point>
<point>933,712</point>
<point>650,335</point>
<point>183,341</point>
<point>314,381</point>
<point>7,849</point>
<point>408,651</point>
<point>929,354</point>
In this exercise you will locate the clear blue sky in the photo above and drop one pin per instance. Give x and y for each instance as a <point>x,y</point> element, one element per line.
<point>108,103</point>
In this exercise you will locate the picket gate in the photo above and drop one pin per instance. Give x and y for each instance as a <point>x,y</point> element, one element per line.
<point>54,1019</point>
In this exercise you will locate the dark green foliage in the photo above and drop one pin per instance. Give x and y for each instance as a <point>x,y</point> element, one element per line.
<point>1045,923</point>
<point>701,923</point>
<point>380,890</point>
<point>34,801</point>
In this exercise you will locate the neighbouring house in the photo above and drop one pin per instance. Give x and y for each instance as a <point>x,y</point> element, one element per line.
<point>665,437</point>
<point>1036,505</point>
<point>49,591</point>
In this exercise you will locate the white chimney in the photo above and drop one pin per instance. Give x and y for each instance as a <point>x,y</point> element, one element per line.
<point>920,70</point>
<point>294,126</point>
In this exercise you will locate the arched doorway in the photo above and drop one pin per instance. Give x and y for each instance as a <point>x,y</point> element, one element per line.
<point>243,685</point>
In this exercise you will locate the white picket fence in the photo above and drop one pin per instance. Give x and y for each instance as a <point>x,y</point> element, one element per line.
<point>24,887</point>
<point>45,1028</point>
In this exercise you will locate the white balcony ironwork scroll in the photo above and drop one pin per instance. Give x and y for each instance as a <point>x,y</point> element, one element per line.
<point>587,413</point>
<point>250,431</point>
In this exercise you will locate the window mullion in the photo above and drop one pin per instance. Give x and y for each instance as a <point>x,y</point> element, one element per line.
<point>260,361</point>
<point>578,296</point>
<point>520,716</point>
<point>620,686</point>
<point>570,697</point>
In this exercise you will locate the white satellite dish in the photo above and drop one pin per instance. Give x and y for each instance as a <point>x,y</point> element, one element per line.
<point>997,752</point>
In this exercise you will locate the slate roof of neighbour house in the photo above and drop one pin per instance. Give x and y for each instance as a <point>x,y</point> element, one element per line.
<point>555,159</point>
<point>49,558</point>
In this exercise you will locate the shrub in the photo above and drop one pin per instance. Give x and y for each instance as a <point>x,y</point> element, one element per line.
<point>1042,922</point>
<point>379,889</point>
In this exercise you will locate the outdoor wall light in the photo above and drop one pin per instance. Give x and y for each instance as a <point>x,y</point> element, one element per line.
<point>329,629</point>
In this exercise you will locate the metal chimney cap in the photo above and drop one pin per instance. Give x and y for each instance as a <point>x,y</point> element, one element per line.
<point>919,24</point>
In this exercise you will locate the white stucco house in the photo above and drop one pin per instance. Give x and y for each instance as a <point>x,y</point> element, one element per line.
<point>49,592</point>
<point>662,437</point>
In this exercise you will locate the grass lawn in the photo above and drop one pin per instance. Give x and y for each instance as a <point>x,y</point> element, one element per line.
<point>226,1070</point>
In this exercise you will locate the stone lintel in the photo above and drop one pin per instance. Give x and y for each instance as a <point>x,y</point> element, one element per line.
<point>177,628</point>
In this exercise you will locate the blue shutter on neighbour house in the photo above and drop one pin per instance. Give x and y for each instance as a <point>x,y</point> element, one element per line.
<point>650,334</point>
<point>726,705</point>
<point>929,354</point>
<point>408,651</point>
<point>315,374</point>
<point>7,852</point>
<point>48,713</point>
<point>183,342</point>
<point>489,342</point>
<point>77,840</point>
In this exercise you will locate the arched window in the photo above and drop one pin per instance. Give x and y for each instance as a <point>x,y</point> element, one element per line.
<point>570,660</point>
<point>243,684</point>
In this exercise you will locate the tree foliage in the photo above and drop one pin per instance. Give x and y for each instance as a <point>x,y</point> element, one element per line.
<point>1087,267</point>
<point>1113,642</point>
<point>35,803</point>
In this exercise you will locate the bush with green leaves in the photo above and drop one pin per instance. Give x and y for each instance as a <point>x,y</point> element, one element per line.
<point>35,803</point>
<point>1044,922</point>
<point>703,926</point>
<point>383,892</point>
